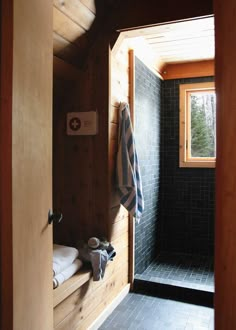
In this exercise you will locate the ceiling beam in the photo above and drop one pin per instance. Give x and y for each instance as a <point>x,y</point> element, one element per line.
<point>189,70</point>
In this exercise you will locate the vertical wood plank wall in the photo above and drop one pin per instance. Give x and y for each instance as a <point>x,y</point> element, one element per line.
<point>225,238</point>
<point>6,69</point>
<point>84,186</point>
<point>118,217</point>
<point>32,165</point>
<point>119,93</point>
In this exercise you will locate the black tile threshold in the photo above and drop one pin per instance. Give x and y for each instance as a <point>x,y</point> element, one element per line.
<point>168,291</point>
<point>180,277</point>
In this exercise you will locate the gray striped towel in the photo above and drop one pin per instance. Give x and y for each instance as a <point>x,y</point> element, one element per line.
<point>128,172</point>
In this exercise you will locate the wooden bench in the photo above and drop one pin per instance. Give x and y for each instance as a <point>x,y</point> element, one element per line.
<point>71,285</point>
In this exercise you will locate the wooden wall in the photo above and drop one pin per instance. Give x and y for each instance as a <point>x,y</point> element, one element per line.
<point>119,89</point>
<point>135,13</point>
<point>84,179</point>
<point>6,63</point>
<point>84,167</point>
<point>225,238</point>
<point>71,21</point>
<point>189,70</point>
<point>32,164</point>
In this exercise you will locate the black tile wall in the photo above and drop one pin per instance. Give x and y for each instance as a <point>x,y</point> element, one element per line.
<point>179,202</point>
<point>186,194</point>
<point>147,135</point>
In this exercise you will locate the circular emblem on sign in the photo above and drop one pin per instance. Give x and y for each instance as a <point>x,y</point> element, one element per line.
<point>75,124</point>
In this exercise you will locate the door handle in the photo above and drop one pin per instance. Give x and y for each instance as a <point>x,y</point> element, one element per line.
<point>54,217</point>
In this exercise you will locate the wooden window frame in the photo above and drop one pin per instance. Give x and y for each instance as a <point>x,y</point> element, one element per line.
<point>185,159</point>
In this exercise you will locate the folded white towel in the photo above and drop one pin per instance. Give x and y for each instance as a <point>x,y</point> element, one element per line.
<point>67,273</point>
<point>63,256</point>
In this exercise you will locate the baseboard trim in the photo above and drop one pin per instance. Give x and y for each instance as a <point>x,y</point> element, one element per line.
<point>109,309</point>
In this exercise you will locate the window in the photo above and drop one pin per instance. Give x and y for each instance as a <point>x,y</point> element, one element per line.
<point>197,125</point>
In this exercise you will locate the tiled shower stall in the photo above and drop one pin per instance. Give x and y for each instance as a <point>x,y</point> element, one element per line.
<point>174,241</point>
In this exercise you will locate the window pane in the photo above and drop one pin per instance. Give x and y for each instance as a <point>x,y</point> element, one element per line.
<point>203,124</point>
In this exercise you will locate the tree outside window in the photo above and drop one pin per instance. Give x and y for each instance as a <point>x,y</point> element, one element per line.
<point>197,125</point>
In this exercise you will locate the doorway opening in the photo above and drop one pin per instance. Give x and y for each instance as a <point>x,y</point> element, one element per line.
<point>174,241</point>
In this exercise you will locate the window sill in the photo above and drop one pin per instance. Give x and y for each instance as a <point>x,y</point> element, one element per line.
<point>198,164</point>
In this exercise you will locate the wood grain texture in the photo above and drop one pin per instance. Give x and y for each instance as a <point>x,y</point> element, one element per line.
<point>225,251</point>
<point>76,11</point>
<point>119,76</point>
<point>64,71</point>
<point>96,324</point>
<point>139,14</point>
<point>117,287</point>
<point>80,308</point>
<point>6,70</point>
<point>84,294</point>
<point>84,195</point>
<point>64,49</point>
<point>66,27</point>
<point>32,165</point>
<point>91,4</point>
<point>71,285</point>
<point>189,70</point>
<point>73,293</point>
<point>185,159</point>
<point>120,92</point>
<point>132,115</point>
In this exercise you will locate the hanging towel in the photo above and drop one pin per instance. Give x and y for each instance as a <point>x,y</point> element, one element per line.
<point>67,273</point>
<point>63,256</point>
<point>128,172</point>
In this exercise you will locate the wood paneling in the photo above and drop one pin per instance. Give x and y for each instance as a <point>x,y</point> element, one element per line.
<point>225,251</point>
<point>90,4</point>
<point>32,165</point>
<point>86,292</point>
<point>119,76</point>
<point>84,194</point>
<point>6,70</point>
<point>81,304</point>
<point>76,11</point>
<point>64,49</point>
<point>71,21</point>
<point>115,290</point>
<point>77,25</point>
<point>120,91</point>
<point>87,288</point>
<point>70,286</point>
<point>66,27</point>
<point>139,14</point>
<point>131,219</point>
<point>64,71</point>
<point>189,70</point>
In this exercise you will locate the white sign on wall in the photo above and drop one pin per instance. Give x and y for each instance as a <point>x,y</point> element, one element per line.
<point>82,123</point>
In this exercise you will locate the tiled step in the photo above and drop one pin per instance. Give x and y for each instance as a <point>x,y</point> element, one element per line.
<point>174,292</point>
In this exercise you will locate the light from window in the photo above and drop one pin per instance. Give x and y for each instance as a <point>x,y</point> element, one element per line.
<point>197,125</point>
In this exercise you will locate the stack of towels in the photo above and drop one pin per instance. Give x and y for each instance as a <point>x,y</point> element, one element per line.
<point>65,263</point>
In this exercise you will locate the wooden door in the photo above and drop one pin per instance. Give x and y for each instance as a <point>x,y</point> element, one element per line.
<point>225,251</point>
<point>26,164</point>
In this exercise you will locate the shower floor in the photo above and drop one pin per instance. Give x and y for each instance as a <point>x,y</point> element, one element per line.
<point>186,271</point>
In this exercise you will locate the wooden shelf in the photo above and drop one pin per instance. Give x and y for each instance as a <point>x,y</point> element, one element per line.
<point>68,287</point>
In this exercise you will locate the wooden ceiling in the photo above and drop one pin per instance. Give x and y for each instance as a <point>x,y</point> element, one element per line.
<point>77,23</point>
<point>191,40</point>
<point>71,21</point>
